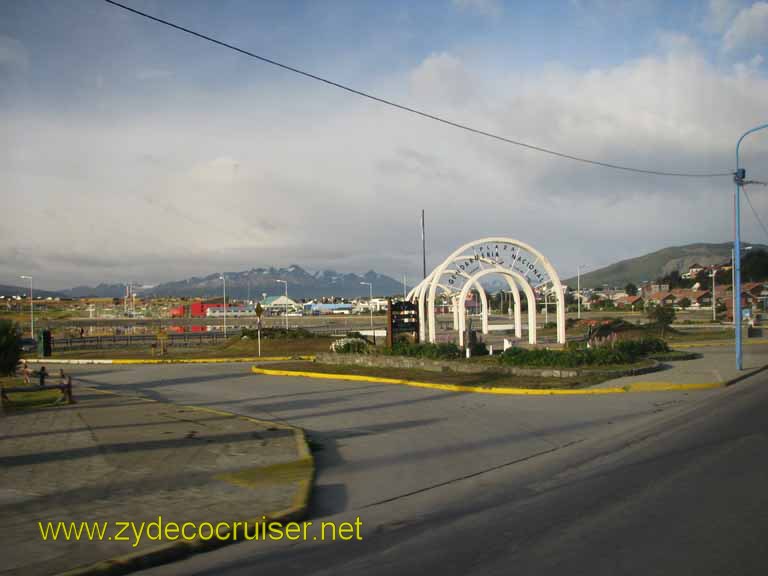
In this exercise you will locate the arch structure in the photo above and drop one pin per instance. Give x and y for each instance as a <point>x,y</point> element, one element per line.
<point>520,265</point>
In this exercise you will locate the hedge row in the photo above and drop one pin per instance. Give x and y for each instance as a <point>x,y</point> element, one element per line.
<point>622,352</point>
<point>279,333</point>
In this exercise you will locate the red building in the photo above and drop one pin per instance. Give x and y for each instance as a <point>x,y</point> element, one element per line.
<point>177,312</point>
<point>194,310</point>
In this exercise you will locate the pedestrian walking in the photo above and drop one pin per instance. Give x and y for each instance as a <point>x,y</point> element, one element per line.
<point>42,375</point>
<point>62,377</point>
<point>25,372</point>
<point>65,389</point>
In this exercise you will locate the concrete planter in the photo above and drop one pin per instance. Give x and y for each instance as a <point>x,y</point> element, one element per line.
<point>377,361</point>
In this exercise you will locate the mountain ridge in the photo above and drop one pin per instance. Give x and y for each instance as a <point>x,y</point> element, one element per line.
<point>653,265</point>
<point>257,281</point>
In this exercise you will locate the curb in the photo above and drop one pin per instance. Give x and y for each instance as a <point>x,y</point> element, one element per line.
<point>717,343</point>
<point>166,360</point>
<point>438,366</point>
<point>172,552</point>
<point>636,387</point>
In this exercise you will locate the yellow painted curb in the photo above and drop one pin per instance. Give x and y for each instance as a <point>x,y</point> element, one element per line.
<point>639,387</point>
<point>210,360</point>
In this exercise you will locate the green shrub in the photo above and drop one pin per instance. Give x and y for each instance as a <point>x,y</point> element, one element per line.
<point>441,351</point>
<point>10,347</point>
<point>575,354</point>
<point>279,333</point>
<point>641,347</point>
<point>562,358</point>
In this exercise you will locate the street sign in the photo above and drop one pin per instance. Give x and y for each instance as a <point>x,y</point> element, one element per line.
<point>402,319</point>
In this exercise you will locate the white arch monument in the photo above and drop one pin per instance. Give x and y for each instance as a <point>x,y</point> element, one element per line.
<point>521,265</point>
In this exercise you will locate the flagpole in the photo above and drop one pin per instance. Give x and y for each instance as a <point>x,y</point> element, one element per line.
<point>423,246</point>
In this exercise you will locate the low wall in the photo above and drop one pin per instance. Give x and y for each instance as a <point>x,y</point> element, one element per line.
<point>380,361</point>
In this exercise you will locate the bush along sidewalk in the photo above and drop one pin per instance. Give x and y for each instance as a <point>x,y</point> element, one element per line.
<point>611,352</point>
<point>619,352</point>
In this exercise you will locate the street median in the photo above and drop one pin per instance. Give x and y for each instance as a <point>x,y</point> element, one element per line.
<point>514,391</point>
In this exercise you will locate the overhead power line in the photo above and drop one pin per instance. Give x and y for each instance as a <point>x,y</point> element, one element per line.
<point>416,111</point>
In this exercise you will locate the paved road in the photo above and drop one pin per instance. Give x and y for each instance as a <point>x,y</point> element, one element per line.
<point>475,484</point>
<point>383,441</point>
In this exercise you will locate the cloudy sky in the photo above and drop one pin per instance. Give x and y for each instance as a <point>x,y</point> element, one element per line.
<point>130,151</point>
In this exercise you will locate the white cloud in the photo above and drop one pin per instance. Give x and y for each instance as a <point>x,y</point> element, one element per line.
<point>484,7</point>
<point>442,78</point>
<point>188,186</point>
<point>748,28</point>
<point>720,14</point>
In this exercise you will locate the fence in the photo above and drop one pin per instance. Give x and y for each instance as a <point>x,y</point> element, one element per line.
<point>181,340</point>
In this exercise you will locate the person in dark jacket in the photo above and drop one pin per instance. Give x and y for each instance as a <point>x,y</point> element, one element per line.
<point>43,374</point>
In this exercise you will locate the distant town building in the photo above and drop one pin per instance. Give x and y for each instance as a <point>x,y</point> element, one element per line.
<point>697,298</point>
<point>318,308</point>
<point>693,271</point>
<point>661,298</point>
<point>653,288</point>
<point>275,305</point>
<point>630,302</point>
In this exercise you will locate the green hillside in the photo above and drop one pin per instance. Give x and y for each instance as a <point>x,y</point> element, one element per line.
<point>657,264</point>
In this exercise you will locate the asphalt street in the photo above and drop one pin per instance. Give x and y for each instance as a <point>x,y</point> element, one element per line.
<point>377,441</point>
<point>646,483</point>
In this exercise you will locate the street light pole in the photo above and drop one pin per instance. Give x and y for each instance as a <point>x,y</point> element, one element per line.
<point>370,307</point>
<point>224,284</point>
<point>285,312</point>
<point>31,306</point>
<point>578,289</point>
<point>738,178</point>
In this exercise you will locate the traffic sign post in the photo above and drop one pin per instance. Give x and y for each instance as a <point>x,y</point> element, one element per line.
<point>259,312</point>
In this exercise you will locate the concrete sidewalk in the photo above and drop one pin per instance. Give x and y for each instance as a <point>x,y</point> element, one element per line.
<point>120,458</point>
<point>716,366</point>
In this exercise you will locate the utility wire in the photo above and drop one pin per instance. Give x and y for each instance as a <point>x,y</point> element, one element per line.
<point>757,216</point>
<point>416,111</point>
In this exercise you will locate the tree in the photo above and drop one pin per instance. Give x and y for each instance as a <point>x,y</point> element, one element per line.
<point>630,289</point>
<point>10,347</point>
<point>675,280</point>
<point>704,278</point>
<point>754,266</point>
<point>662,316</point>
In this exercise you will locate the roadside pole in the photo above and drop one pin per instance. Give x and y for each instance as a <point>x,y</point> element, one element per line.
<point>259,312</point>
<point>738,179</point>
